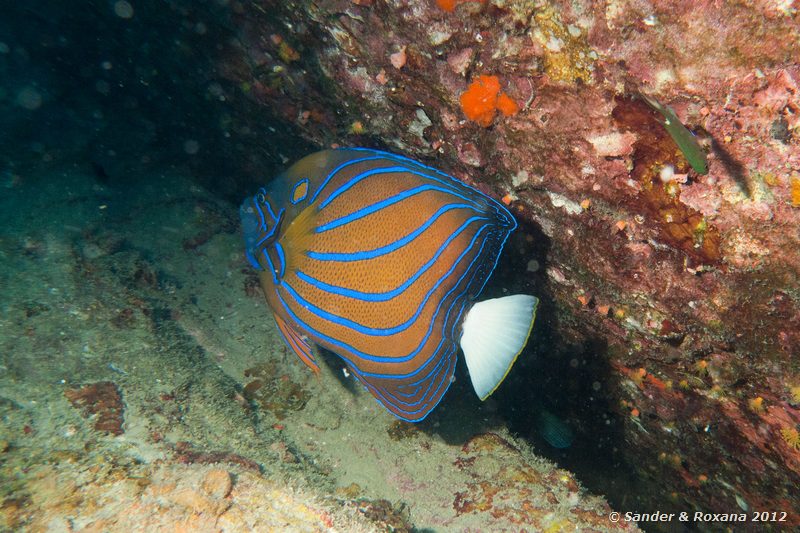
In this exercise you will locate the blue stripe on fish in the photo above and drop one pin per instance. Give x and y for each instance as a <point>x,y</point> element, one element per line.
<point>383,250</point>
<point>377,297</point>
<point>374,208</point>
<point>357,353</point>
<point>336,170</point>
<point>281,259</point>
<point>388,295</point>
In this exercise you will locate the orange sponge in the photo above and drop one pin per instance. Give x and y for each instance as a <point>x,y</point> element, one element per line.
<point>483,98</point>
<point>506,105</point>
<point>450,5</point>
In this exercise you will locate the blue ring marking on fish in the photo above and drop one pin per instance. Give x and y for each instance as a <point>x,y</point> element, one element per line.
<point>379,206</point>
<point>360,177</point>
<point>415,392</point>
<point>336,170</point>
<point>381,297</point>
<point>392,157</point>
<point>452,184</point>
<point>386,249</point>
<point>388,295</point>
<point>386,170</point>
<point>455,323</point>
<point>396,329</point>
<point>436,371</point>
<point>378,359</point>
<point>359,353</point>
<point>281,258</point>
<point>430,169</point>
<point>408,160</point>
<point>305,194</point>
<point>494,265</point>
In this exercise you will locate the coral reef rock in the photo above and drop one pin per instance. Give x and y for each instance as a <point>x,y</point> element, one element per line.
<point>692,278</point>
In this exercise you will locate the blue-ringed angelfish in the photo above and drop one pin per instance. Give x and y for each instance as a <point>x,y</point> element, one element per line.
<point>379,259</point>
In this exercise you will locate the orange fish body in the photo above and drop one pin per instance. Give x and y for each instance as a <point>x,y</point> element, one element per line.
<point>378,259</point>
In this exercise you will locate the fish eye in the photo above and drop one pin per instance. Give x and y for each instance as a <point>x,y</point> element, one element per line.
<point>260,199</point>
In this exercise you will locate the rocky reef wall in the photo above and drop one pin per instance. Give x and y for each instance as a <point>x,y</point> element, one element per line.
<point>687,282</point>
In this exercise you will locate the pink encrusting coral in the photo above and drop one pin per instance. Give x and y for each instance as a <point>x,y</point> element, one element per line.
<point>685,267</point>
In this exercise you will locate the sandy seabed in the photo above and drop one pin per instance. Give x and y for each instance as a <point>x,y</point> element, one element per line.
<point>143,387</point>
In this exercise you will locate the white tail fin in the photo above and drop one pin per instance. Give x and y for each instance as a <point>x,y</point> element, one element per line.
<point>494,333</point>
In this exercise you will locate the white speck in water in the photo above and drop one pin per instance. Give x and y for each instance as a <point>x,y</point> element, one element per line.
<point>191,147</point>
<point>29,98</point>
<point>123,9</point>
<point>533,265</point>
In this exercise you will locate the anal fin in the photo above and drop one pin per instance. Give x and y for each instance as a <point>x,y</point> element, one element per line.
<point>297,343</point>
